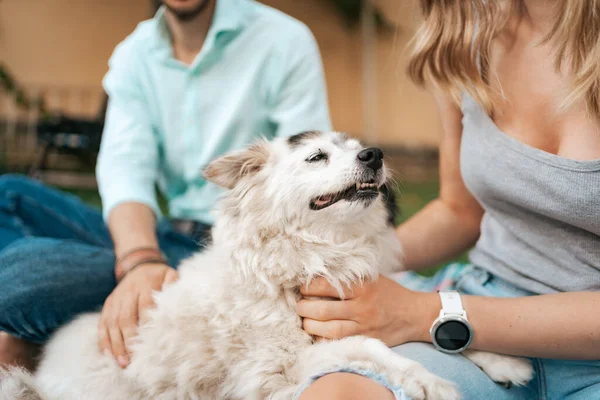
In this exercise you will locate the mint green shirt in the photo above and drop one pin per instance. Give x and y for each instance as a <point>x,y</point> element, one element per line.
<point>259,73</point>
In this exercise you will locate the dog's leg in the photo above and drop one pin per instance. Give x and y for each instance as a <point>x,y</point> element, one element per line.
<point>501,368</point>
<point>371,355</point>
<point>16,383</point>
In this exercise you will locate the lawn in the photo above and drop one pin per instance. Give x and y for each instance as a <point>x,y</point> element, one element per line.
<point>413,196</point>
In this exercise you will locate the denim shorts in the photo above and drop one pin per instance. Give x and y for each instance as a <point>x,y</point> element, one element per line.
<point>553,379</point>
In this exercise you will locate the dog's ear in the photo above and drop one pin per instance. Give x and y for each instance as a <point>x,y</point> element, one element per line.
<point>226,171</point>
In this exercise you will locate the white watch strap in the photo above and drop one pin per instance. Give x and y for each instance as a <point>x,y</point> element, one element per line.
<point>451,303</point>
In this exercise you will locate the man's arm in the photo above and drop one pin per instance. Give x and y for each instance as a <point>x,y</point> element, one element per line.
<point>300,98</point>
<point>127,171</point>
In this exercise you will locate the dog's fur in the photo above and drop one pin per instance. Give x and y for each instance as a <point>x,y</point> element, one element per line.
<point>227,329</point>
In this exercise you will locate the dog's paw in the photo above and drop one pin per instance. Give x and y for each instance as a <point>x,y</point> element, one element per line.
<point>501,368</point>
<point>416,380</point>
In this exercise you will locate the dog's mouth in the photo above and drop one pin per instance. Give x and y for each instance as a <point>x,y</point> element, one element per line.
<point>365,191</point>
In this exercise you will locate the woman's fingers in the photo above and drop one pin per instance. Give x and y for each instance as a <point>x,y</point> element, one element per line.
<point>321,288</point>
<point>325,310</point>
<point>330,329</point>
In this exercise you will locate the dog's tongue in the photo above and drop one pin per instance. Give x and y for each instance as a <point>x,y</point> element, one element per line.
<point>321,201</point>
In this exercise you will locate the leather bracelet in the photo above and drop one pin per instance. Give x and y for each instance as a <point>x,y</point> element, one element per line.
<point>137,250</point>
<point>137,257</point>
<point>142,262</point>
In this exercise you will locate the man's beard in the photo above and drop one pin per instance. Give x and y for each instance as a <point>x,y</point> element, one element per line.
<point>188,14</point>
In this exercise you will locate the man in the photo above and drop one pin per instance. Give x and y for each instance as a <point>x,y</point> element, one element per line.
<point>201,78</point>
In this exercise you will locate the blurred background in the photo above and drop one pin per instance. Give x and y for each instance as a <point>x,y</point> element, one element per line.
<point>54,53</point>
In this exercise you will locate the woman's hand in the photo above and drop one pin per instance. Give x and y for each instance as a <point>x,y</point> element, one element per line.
<point>123,309</point>
<point>383,309</point>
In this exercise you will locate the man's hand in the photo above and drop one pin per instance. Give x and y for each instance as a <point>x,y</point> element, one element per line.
<point>124,308</point>
<point>383,309</point>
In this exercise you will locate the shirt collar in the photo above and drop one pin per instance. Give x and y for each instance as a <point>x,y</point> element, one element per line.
<point>229,16</point>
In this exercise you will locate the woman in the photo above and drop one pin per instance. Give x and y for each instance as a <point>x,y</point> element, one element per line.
<point>518,88</point>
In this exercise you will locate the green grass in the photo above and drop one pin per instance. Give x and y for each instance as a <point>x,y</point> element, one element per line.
<point>412,197</point>
<point>92,198</point>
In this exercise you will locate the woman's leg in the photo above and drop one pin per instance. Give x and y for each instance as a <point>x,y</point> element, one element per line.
<point>470,381</point>
<point>569,379</point>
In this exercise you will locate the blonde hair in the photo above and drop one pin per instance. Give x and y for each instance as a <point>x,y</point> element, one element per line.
<point>452,47</point>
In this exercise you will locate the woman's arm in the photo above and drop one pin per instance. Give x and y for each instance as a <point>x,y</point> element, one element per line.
<point>450,224</point>
<point>564,325</point>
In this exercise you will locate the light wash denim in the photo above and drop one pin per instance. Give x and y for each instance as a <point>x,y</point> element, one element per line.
<point>56,257</point>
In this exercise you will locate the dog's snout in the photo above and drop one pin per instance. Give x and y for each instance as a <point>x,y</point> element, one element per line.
<point>372,157</point>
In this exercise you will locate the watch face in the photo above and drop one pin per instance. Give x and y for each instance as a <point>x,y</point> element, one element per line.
<point>452,335</point>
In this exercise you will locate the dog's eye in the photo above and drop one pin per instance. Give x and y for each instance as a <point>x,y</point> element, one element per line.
<point>320,156</point>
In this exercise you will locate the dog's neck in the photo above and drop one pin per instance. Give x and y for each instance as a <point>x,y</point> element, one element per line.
<point>278,259</point>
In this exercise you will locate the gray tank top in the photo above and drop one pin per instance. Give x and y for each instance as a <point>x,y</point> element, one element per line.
<point>541,227</point>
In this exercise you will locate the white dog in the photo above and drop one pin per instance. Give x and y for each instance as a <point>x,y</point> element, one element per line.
<point>296,209</point>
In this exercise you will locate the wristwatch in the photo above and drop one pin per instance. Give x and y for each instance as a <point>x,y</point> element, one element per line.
<point>451,331</point>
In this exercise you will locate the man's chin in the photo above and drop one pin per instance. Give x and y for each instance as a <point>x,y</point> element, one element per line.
<point>186,13</point>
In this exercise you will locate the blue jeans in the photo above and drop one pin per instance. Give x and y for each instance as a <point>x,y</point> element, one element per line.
<point>56,257</point>
<point>553,380</point>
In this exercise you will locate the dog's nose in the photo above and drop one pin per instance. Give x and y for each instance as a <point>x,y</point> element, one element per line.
<point>371,157</point>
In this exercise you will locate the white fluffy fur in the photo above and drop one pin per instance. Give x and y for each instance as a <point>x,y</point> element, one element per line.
<point>227,329</point>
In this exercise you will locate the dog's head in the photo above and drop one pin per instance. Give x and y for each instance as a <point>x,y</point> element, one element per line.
<point>314,204</point>
<point>313,178</point>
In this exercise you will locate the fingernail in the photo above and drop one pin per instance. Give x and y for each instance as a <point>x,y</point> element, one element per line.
<point>123,361</point>
<point>107,353</point>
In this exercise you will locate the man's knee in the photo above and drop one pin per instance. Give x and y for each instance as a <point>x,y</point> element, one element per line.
<point>31,255</point>
<point>13,183</point>
<point>345,386</point>
<point>45,282</point>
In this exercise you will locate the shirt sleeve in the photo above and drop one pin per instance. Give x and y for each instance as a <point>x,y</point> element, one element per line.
<point>127,167</point>
<point>301,101</point>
